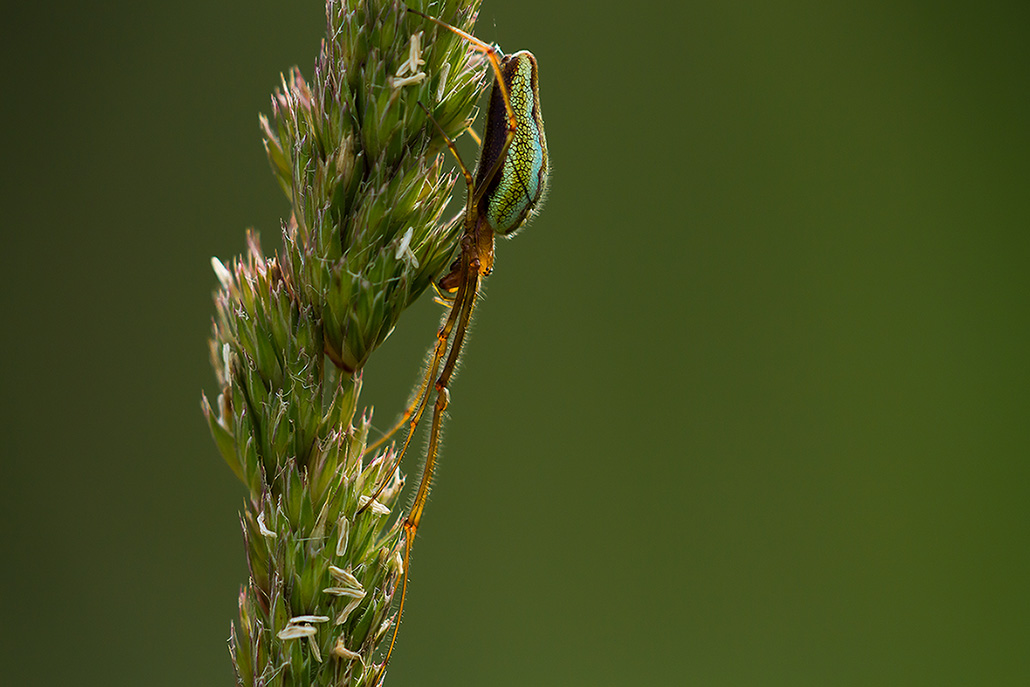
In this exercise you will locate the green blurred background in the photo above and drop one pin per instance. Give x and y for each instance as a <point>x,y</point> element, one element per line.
<point>746,405</point>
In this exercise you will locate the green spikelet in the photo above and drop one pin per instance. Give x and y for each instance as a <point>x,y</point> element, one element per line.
<point>362,167</point>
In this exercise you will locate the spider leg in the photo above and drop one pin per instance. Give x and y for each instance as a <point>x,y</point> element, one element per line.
<point>494,56</point>
<point>443,335</point>
<point>413,414</point>
<point>462,312</point>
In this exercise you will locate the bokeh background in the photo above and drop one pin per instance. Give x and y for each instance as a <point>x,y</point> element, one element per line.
<point>747,404</point>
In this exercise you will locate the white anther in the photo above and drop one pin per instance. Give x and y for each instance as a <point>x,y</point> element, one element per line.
<point>356,597</point>
<point>404,251</point>
<point>397,82</point>
<point>343,528</point>
<point>344,576</point>
<point>297,619</point>
<point>441,86</point>
<point>343,652</point>
<point>296,632</point>
<point>414,56</point>
<point>265,532</point>
<point>376,507</point>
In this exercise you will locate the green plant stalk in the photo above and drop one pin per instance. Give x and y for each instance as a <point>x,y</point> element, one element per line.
<point>362,167</point>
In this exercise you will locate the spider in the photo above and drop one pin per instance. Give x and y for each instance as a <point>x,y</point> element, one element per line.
<point>510,181</point>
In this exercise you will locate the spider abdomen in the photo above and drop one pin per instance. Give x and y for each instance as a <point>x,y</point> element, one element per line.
<point>512,195</point>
